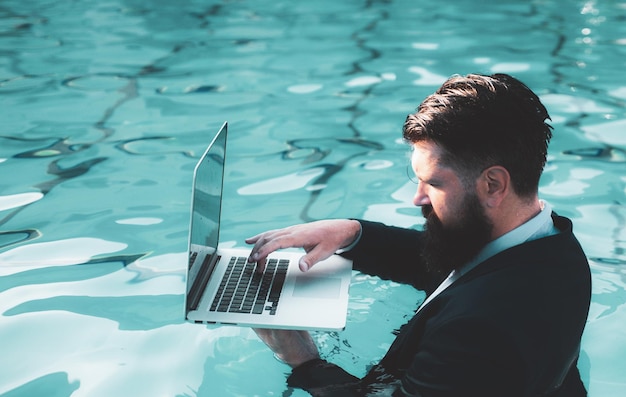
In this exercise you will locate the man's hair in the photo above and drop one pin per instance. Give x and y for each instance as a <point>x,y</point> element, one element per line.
<point>480,121</point>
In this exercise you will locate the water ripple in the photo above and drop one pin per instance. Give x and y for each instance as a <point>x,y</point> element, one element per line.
<point>12,237</point>
<point>58,253</point>
<point>18,200</point>
<point>26,84</point>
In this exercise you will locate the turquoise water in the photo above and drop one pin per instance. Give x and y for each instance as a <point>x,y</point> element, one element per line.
<point>106,106</point>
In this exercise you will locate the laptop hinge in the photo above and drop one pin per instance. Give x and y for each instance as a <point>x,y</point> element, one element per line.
<point>199,285</point>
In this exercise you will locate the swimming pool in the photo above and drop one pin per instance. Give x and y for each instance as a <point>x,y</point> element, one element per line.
<point>106,106</point>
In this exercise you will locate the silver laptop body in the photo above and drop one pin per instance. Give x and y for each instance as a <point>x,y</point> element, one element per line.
<point>315,300</point>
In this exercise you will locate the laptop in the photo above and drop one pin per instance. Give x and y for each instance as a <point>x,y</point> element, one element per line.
<point>223,288</point>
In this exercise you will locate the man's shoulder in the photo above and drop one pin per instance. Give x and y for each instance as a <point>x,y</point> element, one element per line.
<point>562,251</point>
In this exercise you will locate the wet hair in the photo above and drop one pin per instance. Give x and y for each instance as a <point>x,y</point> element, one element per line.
<point>480,121</point>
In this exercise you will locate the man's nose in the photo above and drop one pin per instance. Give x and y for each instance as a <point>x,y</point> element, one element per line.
<point>421,198</point>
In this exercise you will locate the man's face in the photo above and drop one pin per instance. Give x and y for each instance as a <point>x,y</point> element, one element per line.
<point>456,226</point>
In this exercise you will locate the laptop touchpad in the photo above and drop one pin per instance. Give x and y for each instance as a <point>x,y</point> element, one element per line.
<point>317,287</point>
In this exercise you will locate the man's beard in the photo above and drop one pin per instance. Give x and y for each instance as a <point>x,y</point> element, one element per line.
<point>449,247</point>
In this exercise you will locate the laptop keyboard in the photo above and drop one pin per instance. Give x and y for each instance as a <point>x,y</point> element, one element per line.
<point>243,290</point>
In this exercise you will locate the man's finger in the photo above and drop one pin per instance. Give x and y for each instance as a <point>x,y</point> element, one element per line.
<point>312,257</point>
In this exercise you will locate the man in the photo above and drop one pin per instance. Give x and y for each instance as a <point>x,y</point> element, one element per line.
<point>507,283</point>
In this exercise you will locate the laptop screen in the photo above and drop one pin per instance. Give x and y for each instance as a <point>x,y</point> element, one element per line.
<point>206,203</point>
<point>207,193</point>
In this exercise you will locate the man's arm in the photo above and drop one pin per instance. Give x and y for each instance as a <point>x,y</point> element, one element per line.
<point>293,348</point>
<point>310,372</point>
<point>392,253</point>
<point>389,252</point>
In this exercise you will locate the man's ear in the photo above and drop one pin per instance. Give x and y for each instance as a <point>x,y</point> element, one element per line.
<point>494,185</point>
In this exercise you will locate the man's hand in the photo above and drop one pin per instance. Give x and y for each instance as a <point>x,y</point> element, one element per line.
<point>291,347</point>
<point>319,239</point>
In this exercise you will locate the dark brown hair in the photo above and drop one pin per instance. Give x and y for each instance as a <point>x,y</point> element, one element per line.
<point>480,121</point>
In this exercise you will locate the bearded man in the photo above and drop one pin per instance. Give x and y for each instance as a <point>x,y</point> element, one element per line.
<point>508,285</point>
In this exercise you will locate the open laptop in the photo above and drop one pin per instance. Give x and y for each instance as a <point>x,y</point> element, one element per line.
<point>222,288</point>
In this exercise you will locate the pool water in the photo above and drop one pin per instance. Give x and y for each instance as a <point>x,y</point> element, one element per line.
<point>106,106</point>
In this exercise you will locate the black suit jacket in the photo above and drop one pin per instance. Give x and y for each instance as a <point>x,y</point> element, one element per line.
<point>509,327</point>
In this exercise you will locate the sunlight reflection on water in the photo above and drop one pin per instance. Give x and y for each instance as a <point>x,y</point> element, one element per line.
<point>108,106</point>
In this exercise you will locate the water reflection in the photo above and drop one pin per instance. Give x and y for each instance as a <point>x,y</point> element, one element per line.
<point>108,105</point>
